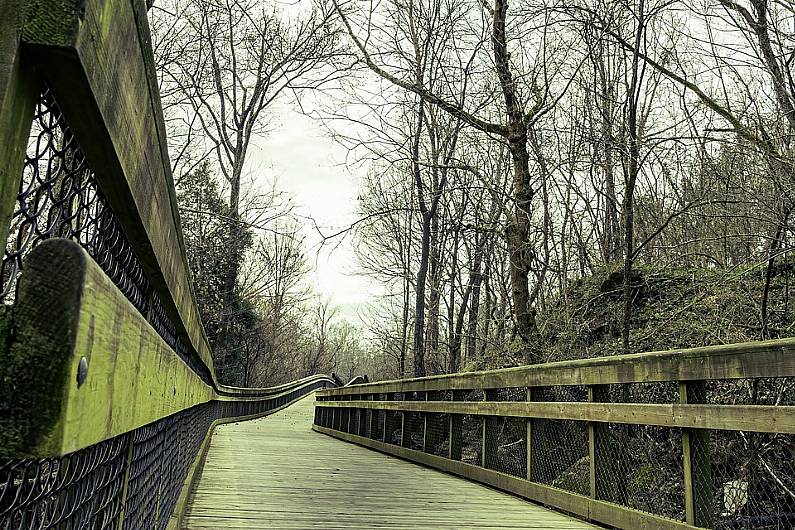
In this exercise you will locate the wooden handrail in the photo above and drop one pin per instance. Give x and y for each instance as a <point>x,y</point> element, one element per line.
<point>356,413</point>
<point>86,366</point>
<point>747,360</point>
<point>75,48</point>
<point>753,418</point>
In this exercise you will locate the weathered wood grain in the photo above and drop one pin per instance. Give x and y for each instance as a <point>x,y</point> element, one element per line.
<point>603,512</point>
<point>116,116</point>
<point>757,418</point>
<point>278,473</point>
<point>19,91</point>
<point>66,310</point>
<point>773,358</point>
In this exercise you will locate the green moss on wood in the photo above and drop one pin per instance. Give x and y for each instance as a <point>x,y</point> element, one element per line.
<point>35,368</point>
<point>52,22</point>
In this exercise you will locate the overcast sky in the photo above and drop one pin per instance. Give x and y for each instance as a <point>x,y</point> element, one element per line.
<point>307,164</point>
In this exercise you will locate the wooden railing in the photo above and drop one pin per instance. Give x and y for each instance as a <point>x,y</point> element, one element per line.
<point>108,394</point>
<point>95,59</point>
<point>652,440</point>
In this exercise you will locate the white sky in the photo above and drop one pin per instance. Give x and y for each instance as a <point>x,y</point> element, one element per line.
<point>307,165</point>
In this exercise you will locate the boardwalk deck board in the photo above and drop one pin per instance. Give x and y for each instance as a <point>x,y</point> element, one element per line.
<point>277,473</point>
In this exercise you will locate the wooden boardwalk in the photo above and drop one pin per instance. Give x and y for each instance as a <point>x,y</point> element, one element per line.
<point>276,472</point>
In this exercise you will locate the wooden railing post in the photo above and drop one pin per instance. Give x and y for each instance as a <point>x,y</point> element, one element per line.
<point>19,91</point>
<point>607,479</point>
<point>426,440</point>
<point>598,445</point>
<point>403,425</point>
<point>373,418</point>
<point>387,427</point>
<point>456,434</point>
<point>529,438</point>
<point>360,414</point>
<point>696,459</point>
<point>489,445</point>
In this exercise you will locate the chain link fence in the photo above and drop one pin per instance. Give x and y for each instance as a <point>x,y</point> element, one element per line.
<point>132,480</point>
<point>741,479</point>
<point>60,197</point>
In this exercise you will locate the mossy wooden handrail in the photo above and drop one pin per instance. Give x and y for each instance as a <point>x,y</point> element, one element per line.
<point>82,370</point>
<point>82,365</point>
<point>753,418</point>
<point>341,412</point>
<point>77,48</point>
<point>95,58</point>
<point>773,358</point>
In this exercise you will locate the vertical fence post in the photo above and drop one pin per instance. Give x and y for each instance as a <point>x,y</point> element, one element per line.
<point>348,414</point>
<point>19,91</point>
<point>696,459</point>
<point>373,418</point>
<point>387,426</point>
<point>403,425</point>
<point>597,445</point>
<point>489,444</point>
<point>529,438</point>
<point>456,435</point>
<point>360,412</point>
<point>542,443</point>
<point>426,441</point>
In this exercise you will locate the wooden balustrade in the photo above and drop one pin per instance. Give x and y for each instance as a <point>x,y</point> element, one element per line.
<point>605,500</point>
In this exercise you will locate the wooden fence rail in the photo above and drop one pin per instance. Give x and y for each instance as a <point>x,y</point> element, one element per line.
<point>563,434</point>
<point>108,394</point>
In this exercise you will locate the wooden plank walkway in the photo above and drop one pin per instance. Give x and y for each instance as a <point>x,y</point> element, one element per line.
<point>276,472</point>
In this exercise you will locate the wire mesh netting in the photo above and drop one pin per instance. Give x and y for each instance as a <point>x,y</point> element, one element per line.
<point>471,430</point>
<point>394,422</point>
<point>60,197</point>
<point>132,480</point>
<point>640,467</point>
<point>33,491</point>
<point>413,429</point>
<point>437,437</point>
<point>559,448</point>
<point>753,479</point>
<point>378,434</point>
<point>752,475</point>
<point>506,438</point>
<point>739,479</point>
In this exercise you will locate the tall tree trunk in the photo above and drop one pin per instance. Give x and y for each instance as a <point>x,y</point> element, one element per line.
<point>406,289</point>
<point>474,312</point>
<point>612,237</point>
<point>455,341</point>
<point>434,294</point>
<point>419,307</point>
<point>519,228</point>
<point>631,175</point>
<point>235,255</point>
<point>775,243</point>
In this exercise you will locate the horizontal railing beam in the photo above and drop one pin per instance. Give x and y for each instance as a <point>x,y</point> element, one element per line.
<point>115,113</point>
<point>83,364</point>
<point>749,360</point>
<point>756,418</point>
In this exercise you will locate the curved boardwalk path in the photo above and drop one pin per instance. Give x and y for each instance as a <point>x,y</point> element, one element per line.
<point>276,472</point>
